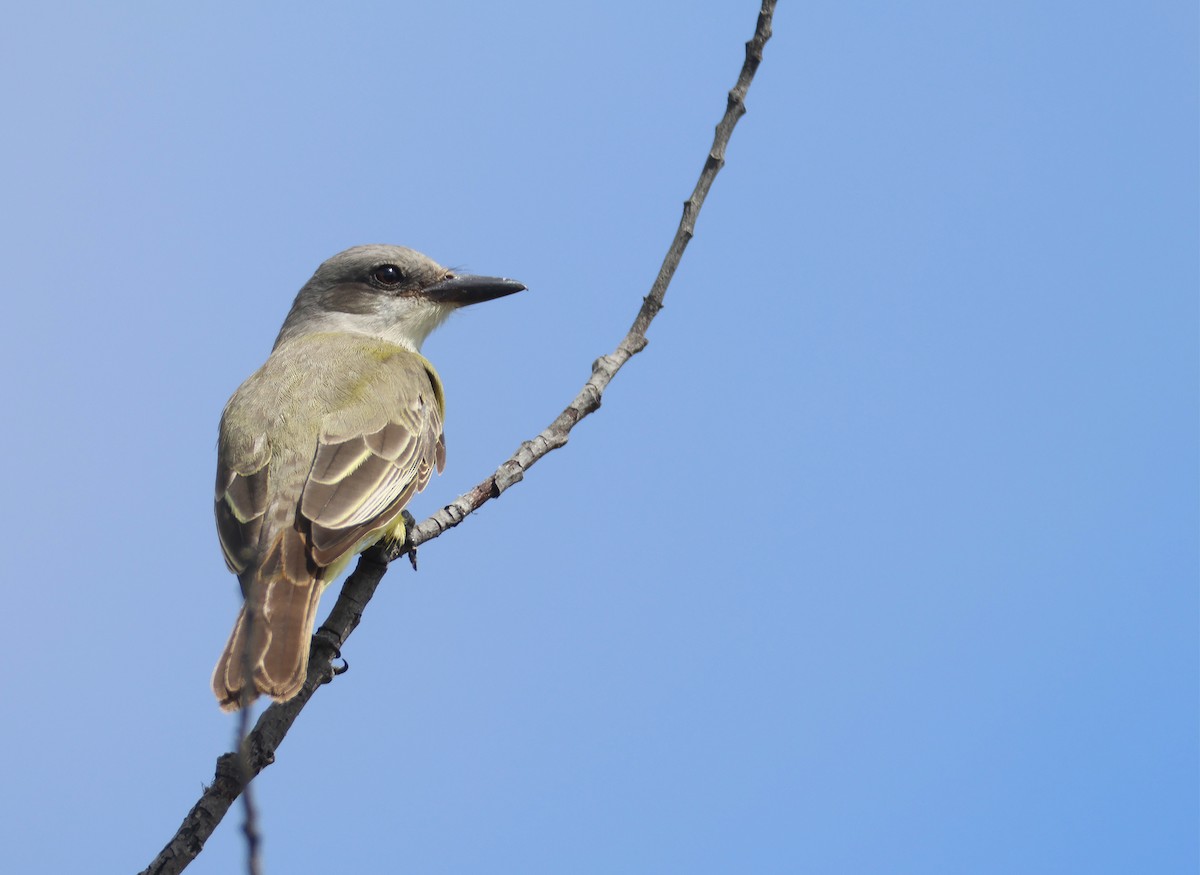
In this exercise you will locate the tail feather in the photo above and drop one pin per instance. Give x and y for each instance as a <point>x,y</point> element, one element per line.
<point>269,643</point>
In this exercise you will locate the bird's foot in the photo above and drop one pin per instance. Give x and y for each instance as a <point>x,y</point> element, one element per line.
<point>408,547</point>
<point>331,639</point>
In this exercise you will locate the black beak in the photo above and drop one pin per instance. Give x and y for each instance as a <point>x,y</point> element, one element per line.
<point>467,288</point>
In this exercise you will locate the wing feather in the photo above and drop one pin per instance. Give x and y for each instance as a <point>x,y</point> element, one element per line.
<point>335,462</point>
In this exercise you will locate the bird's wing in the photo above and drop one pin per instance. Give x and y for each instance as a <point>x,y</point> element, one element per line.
<point>241,502</point>
<point>373,454</point>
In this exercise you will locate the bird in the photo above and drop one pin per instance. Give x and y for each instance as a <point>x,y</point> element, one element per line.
<point>321,448</point>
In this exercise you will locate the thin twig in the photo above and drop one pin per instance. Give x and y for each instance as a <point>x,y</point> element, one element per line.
<point>250,824</point>
<point>245,775</point>
<point>259,746</point>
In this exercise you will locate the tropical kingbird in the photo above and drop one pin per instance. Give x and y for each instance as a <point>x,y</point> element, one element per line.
<point>323,446</point>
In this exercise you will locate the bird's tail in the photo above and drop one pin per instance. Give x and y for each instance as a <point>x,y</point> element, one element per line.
<point>267,652</point>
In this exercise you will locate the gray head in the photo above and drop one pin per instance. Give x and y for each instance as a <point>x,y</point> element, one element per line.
<point>388,292</point>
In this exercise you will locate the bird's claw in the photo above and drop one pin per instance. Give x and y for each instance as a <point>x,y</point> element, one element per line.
<point>408,547</point>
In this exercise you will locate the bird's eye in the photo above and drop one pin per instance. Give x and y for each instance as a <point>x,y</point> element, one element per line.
<point>388,275</point>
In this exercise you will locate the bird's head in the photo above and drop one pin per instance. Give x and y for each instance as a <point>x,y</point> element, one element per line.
<point>388,292</point>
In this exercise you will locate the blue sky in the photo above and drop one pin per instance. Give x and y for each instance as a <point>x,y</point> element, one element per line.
<point>882,557</point>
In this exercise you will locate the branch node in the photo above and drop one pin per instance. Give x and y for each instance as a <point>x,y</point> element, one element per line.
<point>607,364</point>
<point>589,402</point>
<point>508,474</point>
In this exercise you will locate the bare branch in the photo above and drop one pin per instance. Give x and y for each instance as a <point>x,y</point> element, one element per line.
<point>606,367</point>
<point>258,748</point>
